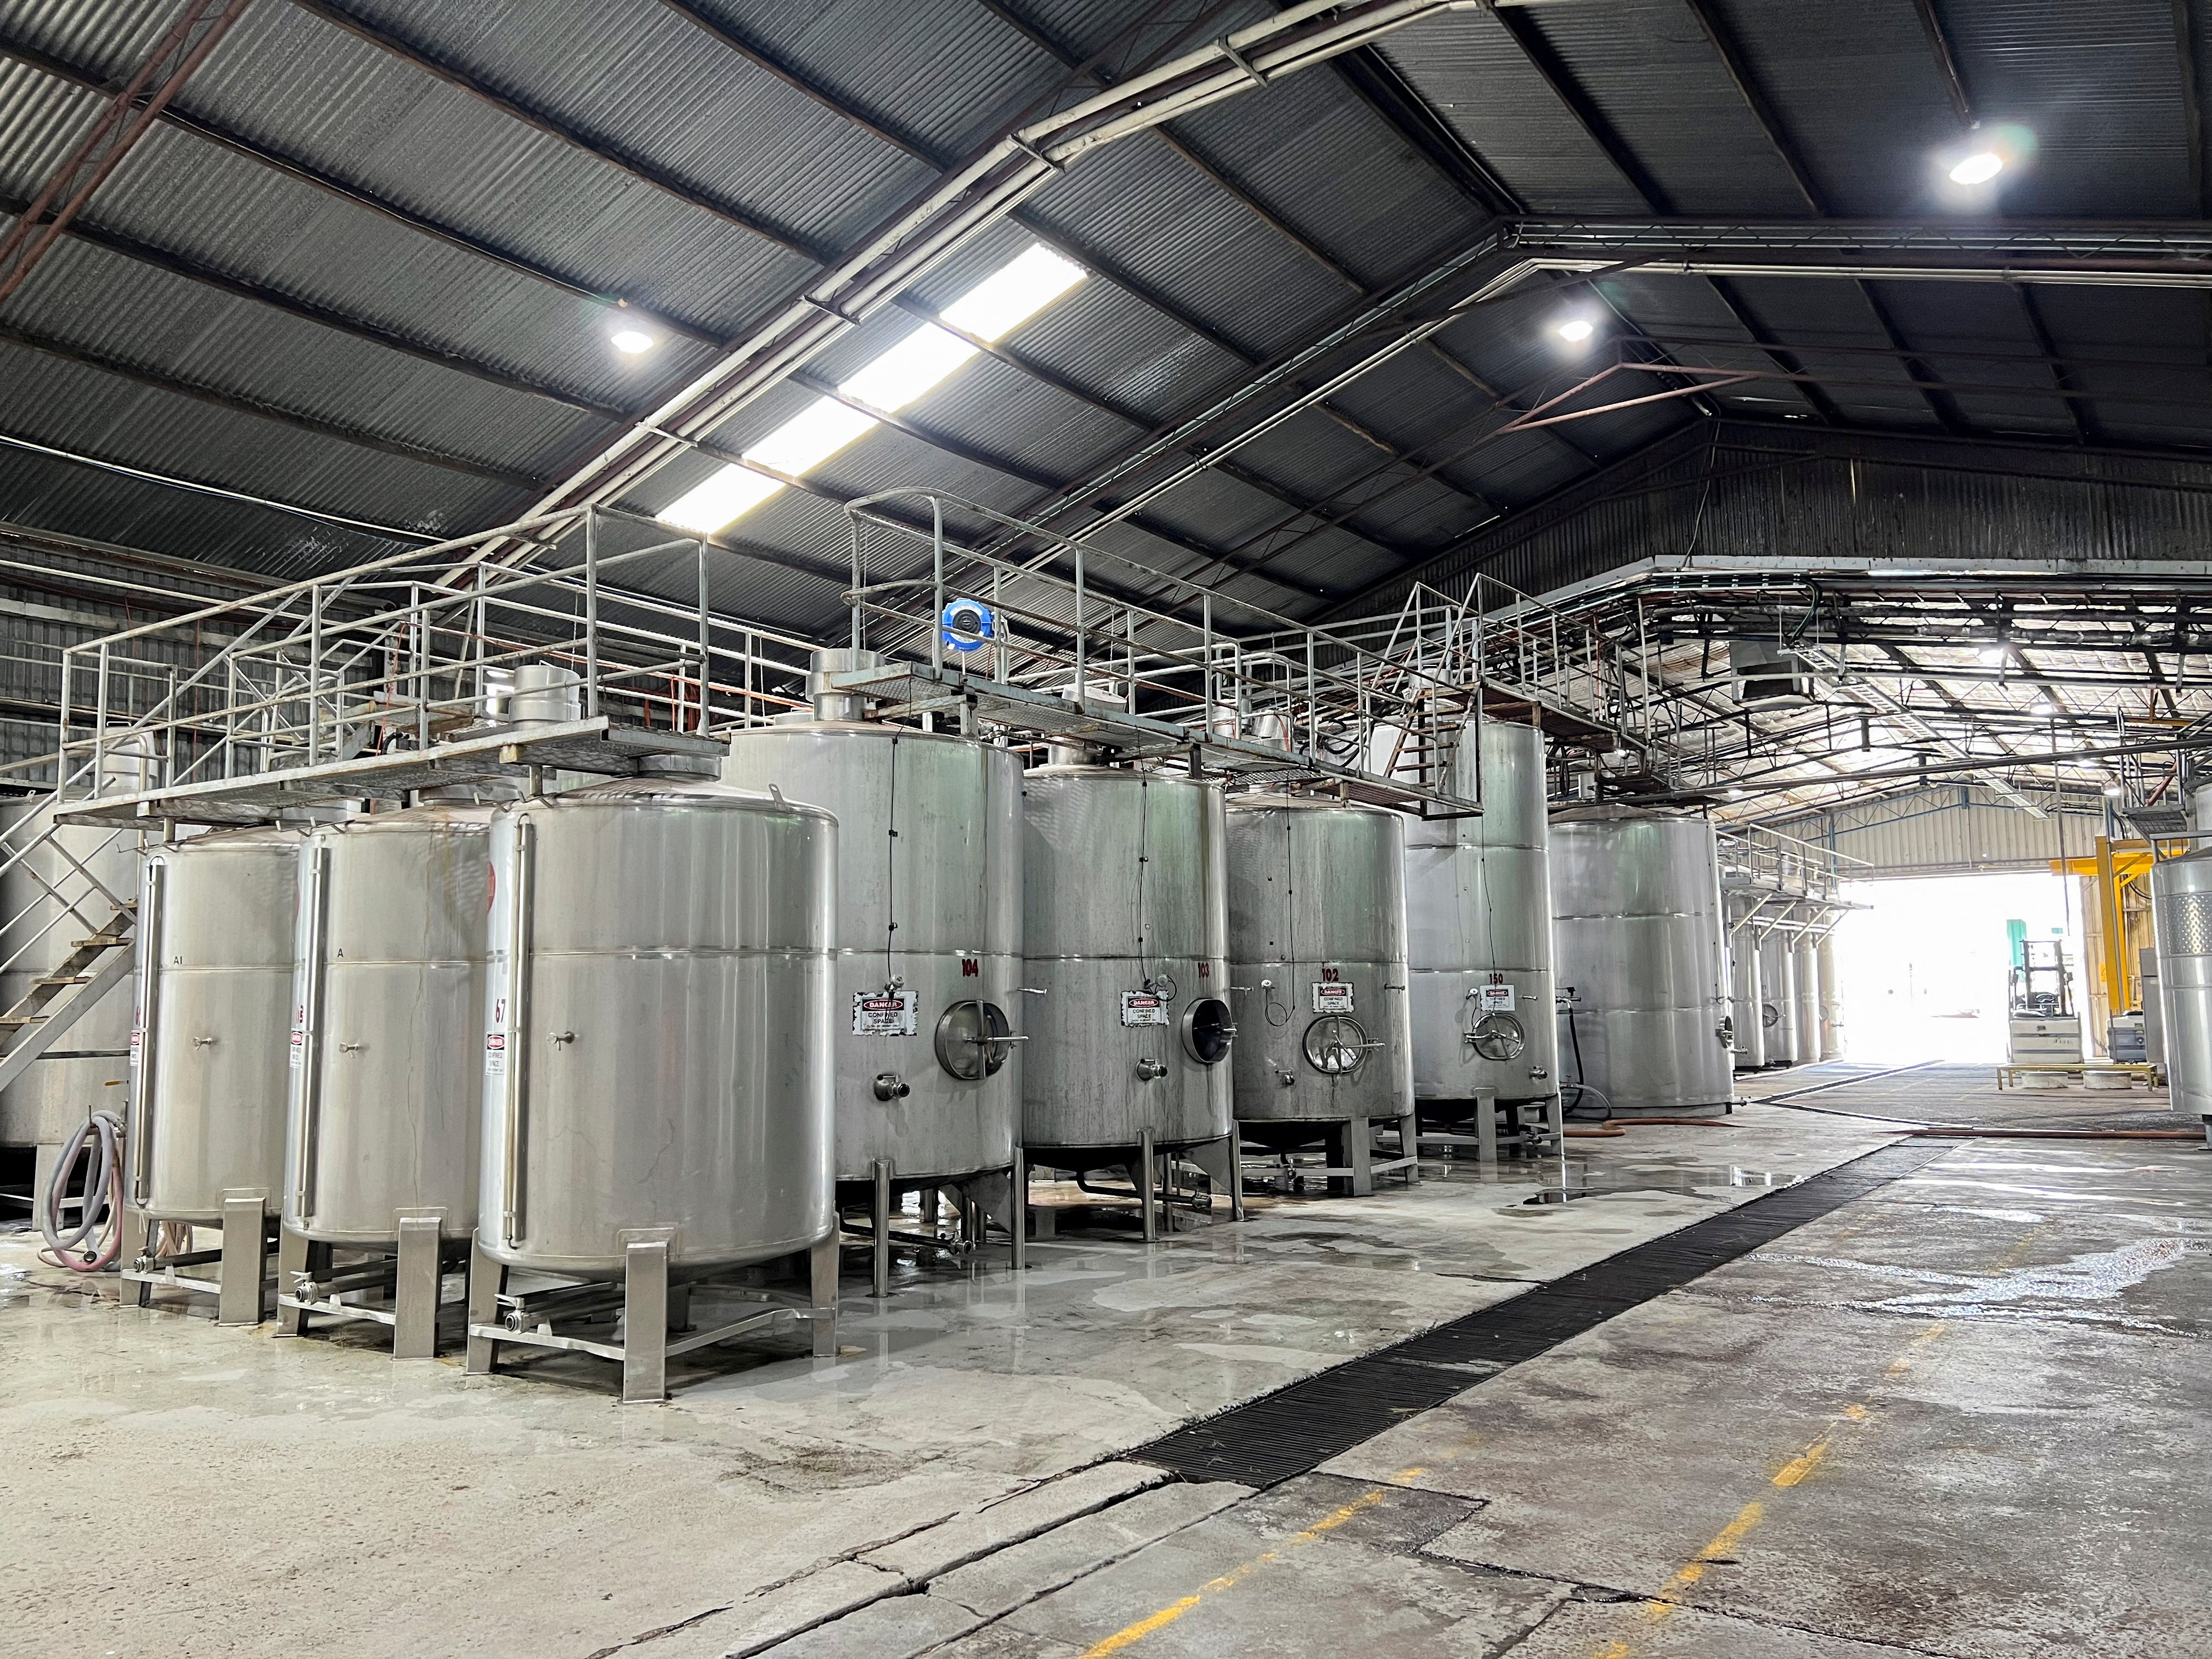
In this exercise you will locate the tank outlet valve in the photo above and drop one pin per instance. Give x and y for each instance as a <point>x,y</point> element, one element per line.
<point>1540,1073</point>
<point>564,1037</point>
<point>1287,1078</point>
<point>307,1289</point>
<point>204,1043</point>
<point>889,1086</point>
<point>1148,1069</point>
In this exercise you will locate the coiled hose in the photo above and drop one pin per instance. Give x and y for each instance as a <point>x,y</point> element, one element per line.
<point>93,1245</point>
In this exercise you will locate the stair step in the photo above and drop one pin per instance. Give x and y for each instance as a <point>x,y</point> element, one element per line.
<point>20,1020</point>
<point>63,979</point>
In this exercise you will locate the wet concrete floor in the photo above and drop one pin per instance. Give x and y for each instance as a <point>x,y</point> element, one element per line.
<point>1961,1417</point>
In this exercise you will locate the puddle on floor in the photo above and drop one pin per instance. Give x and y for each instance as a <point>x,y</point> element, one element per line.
<point>1682,1181</point>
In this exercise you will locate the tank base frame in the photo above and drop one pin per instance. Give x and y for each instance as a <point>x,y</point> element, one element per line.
<point>410,1278</point>
<point>654,1309</point>
<point>1483,1109</point>
<point>1147,1166</point>
<point>979,1197</point>
<point>240,1286</point>
<point>1348,1164</point>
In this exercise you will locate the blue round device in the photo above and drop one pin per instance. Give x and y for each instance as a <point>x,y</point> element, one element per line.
<point>966,625</point>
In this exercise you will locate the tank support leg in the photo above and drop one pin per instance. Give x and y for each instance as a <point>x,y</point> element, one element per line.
<point>244,1256</point>
<point>1218,1159</point>
<point>415,1284</point>
<point>1354,1151</point>
<point>150,1240</point>
<point>487,1278</point>
<point>879,1242</point>
<point>1486,1125</point>
<point>1147,1174</point>
<point>1409,1146</point>
<point>1555,1121</point>
<point>645,1316</point>
<point>1017,1209</point>
<point>679,1307</point>
<point>295,1262</point>
<point>821,1283</point>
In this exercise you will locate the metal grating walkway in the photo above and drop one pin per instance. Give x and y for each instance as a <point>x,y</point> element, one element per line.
<point>1297,1429</point>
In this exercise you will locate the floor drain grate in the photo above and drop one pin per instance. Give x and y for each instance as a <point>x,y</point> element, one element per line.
<point>1297,1429</point>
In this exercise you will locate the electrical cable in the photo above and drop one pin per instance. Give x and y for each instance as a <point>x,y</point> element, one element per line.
<point>86,1248</point>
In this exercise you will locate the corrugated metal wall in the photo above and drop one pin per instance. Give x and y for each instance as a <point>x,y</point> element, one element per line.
<point>1951,829</point>
<point>1763,491</point>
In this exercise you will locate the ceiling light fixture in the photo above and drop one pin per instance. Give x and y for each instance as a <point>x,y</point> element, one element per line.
<point>2042,706</point>
<point>2116,791</point>
<point>632,340</point>
<point>1978,168</point>
<point>1994,655</point>
<point>901,375</point>
<point>1574,329</point>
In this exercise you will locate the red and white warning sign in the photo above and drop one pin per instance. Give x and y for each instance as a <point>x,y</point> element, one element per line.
<point>1143,1008</point>
<point>886,1013</point>
<point>1331,996</point>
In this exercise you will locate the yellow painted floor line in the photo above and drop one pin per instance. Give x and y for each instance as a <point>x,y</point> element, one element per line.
<point>1129,1635</point>
<point>1724,1543</point>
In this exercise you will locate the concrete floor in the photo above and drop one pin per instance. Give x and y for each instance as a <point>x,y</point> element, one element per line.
<point>1958,1418</point>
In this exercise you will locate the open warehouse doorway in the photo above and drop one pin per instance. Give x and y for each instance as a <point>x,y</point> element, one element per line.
<point>1923,968</point>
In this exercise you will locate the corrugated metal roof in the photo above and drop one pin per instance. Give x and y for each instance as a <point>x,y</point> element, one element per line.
<point>1180,257</point>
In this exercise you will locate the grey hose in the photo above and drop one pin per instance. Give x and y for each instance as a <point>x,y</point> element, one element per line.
<point>102,1195</point>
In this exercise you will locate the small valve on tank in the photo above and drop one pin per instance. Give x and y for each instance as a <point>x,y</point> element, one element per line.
<point>1148,1069</point>
<point>889,1086</point>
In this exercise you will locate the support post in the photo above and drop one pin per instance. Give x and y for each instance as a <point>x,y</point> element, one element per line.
<point>1017,1209</point>
<point>822,1289</point>
<point>1409,1146</point>
<point>1354,1151</point>
<point>244,1256</point>
<point>415,1286</point>
<point>487,1278</point>
<point>1486,1125</point>
<point>1555,1120</point>
<point>1146,1181</point>
<point>293,1262</point>
<point>879,1239</point>
<point>645,1314</point>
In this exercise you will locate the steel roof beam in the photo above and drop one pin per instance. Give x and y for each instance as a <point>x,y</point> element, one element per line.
<point>359,197</point>
<point>983,191</point>
<point>297,420</point>
<point>177,264</point>
<point>131,111</point>
<point>613,155</point>
<point>945,444</point>
<point>1947,61</point>
<point>2061,375</point>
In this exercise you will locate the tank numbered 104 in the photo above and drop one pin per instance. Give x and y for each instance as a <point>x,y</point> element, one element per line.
<point>886,1013</point>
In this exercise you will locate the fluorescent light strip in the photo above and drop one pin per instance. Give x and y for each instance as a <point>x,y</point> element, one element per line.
<point>903,374</point>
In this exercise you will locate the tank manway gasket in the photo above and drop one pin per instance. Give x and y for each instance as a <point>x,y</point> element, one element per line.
<point>1297,1429</point>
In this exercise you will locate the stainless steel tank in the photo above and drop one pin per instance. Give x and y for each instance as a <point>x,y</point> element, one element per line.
<point>1778,989</point>
<point>387,1037</point>
<point>1831,1005</point>
<point>1744,1003</point>
<point>216,916</point>
<point>1805,970</point>
<point>2181,921</point>
<point>2154,1007</point>
<point>929,936</point>
<point>1317,951</point>
<point>51,897</point>
<point>1125,930</point>
<point>1478,928</point>
<point>657,1047</point>
<point>1636,919</point>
